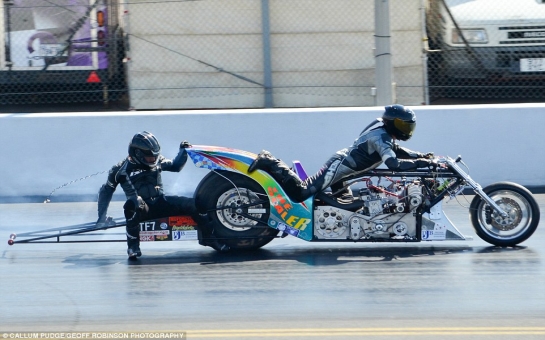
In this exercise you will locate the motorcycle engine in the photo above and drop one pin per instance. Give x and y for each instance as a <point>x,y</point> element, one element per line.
<point>400,199</point>
<point>331,223</point>
<point>395,226</point>
<point>385,214</point>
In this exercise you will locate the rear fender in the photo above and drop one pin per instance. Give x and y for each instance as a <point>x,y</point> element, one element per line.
<point>293,218</point>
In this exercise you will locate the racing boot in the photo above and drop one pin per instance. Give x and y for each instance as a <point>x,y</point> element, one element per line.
<point>133,209</point>
<point>133,239</point>
<point>274,167</point>
<point>342,194</point>
<point>206,233</point>
<point>215,244</point>
<point>263,161</point>
<point>281,172</point>
<point>133,247</point>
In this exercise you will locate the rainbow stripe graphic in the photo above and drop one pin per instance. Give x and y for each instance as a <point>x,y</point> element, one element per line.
<point>286,215</point>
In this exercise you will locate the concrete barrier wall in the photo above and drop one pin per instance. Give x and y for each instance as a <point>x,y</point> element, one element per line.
<point>41,152</point>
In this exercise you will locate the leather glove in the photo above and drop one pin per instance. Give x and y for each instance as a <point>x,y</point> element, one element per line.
<point>427,155</point>
<point>185,144</point>
<point>134,203</point>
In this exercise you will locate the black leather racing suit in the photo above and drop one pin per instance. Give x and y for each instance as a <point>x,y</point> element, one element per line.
<point>143,188</point>
<point>370,150</point>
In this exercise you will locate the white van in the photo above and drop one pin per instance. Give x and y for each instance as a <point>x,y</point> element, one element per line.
<point>488,38</point>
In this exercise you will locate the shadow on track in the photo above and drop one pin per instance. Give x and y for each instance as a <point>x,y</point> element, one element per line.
<point>329,256</point>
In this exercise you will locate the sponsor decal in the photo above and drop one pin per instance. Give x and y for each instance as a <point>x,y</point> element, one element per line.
<point>427,234</point>
<point>135,173</point>
<point>182,235</point>
<point>439,232</point>
<point>149,225</point>
<point>163,226</point>
<point>331,171</point>
<point>155,232</point>
<point>283,208</point>
<point>183,227</point>
<point>146,238</point>
<point>181,220</point>
<point>287,229</point>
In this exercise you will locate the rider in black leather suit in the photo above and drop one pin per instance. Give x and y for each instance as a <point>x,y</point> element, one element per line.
<point>370,149</point>
<point>140,178</point>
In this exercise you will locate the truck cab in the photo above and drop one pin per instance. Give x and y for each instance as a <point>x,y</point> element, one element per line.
<point>477,39</point>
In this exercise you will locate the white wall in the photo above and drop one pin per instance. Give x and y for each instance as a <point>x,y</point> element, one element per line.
<point>43,151</point>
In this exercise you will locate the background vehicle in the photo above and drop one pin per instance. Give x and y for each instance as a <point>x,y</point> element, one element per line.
<point>58,48</point>
<point>480,38</point>
<point>500,42</point>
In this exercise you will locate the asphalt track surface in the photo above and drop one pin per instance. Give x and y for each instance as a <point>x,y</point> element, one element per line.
<point>290,289</point>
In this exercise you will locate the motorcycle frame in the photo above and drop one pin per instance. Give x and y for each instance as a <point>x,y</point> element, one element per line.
<point>296,218</point>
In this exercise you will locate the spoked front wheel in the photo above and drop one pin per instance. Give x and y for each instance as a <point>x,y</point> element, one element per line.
<point>519,224</point>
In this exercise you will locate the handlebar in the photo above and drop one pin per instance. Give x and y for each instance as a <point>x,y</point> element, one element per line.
<point>445,162</point>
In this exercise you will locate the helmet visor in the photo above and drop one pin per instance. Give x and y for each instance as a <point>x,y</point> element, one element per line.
<point>406,128</point>
<point>147,157</point>
<point>150,160</point>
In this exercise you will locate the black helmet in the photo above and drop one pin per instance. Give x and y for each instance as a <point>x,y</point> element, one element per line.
<point>399,121</point>
<point>144,149</point>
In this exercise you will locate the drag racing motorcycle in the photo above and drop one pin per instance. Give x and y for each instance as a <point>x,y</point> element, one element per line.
<point>248,210</point>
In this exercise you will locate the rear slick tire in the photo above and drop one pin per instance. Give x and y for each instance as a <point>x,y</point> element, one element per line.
<point>522,215</point>
<point>230,227</point>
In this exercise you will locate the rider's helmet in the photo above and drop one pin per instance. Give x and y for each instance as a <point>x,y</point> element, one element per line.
<point>144,149</point>
<point>399,121</point>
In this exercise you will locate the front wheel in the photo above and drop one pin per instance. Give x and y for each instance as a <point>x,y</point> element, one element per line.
<point>519,224</point>
<point>238,208</point>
